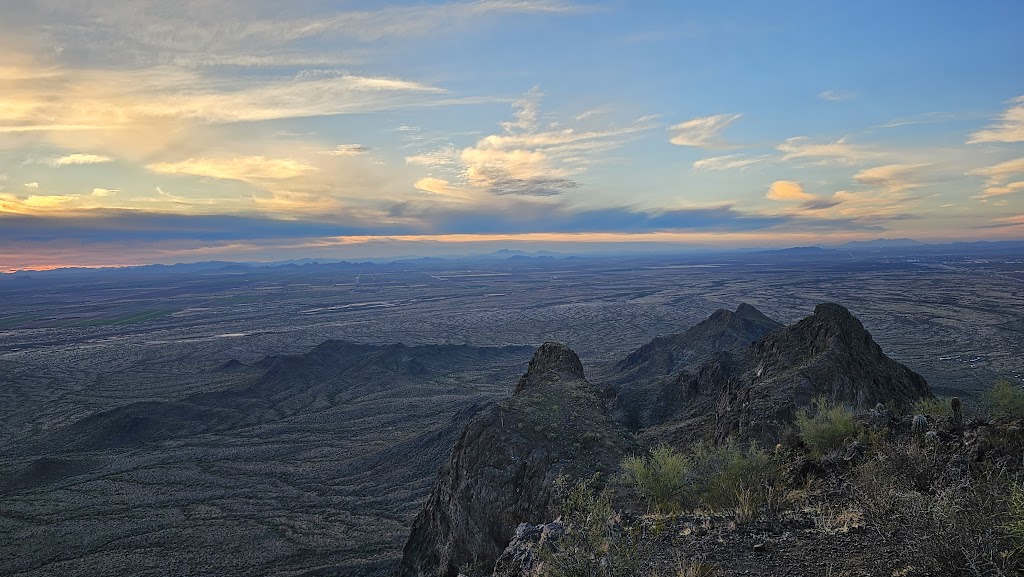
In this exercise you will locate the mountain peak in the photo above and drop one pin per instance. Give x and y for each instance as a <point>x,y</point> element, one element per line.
<point>833,310</point>
<point>551,360</point>
<point>748,310</point>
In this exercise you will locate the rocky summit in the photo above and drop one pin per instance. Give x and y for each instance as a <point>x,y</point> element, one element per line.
<point>644,387</point>
<point>738,375</point>
<point>504,466</point>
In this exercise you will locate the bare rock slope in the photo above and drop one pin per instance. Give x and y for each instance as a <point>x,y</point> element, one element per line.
<point>505,464</point>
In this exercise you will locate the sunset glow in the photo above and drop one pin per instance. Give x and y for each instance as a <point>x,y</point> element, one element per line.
<point>139,132</point>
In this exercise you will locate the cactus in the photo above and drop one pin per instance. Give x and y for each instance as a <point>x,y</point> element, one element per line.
<point>956,405</point>
<point>919,424</point>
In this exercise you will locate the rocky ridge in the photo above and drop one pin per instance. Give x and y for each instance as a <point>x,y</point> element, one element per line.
<point>676,389</point>
<point>645,385</point>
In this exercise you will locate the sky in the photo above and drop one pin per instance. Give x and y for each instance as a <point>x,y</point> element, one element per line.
<point>145,131</point>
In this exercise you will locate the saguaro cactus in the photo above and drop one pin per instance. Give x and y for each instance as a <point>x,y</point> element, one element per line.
<point>958,416</point>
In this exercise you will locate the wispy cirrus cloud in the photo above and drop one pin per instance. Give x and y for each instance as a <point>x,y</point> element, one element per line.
<point>728,162</point>
<point>253,33</point>
<point>102,99</point>
<point>1017,220</point>
<point>1010,127</point>
<point>892,177</point>
<point>924,118</point>
<point>836,152</point>
<point>244,168</point>
<point>702,132</point>
<point>836,95</point>
<point>1000,178</point>
<point>76,159</point>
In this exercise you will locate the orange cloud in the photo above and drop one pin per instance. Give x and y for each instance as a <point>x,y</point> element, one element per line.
<point>787,191</point>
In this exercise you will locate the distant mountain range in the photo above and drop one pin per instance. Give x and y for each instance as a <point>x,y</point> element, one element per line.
<point>904,246</point>
<point>882,243</point>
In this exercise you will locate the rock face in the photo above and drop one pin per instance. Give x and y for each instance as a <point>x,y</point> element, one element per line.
<point>752,393</point>
<point>645,386</point>
<point>504,465</point>
<point>550,364</point>
<point>523,556</point>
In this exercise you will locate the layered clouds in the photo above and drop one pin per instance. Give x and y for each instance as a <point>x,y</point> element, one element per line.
<point>212,127</point>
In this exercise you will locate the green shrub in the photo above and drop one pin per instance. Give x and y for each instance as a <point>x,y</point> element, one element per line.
<point>937,407</point>
<point>730,477</point>
<point>660,478</point>
<point>594,545</point>
<point>827,429</point>
<point>1005,400</point>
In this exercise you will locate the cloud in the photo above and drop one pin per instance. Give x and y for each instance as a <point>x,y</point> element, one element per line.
<point>702,132</point>
<point>999,173</point>
<point>528,158</point>
<point>597,111</point>
<point>1010,128</point>
<point>925,118</point>
<point>71,160</point>
<point>840,151</point>
<point>1011,220</point>
<point>1008,188</point>
<point>836,95</point>
<point>444,188</point>
<point>49,201</point>
<point>787,190</point>
<point>892,177</point>
<point>441,157</point>
<point>998,178</point>
<point>76,159</point>
<point>253,33</point>
<point>31,185</point>
<point>103,192</point>
<point>245,168</point>
<point>113,100</point>
<point>346,150</point>
<point>819,204</point>
<point>728,162</point>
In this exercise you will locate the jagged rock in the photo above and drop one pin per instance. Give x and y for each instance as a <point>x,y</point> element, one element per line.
<point>650,382</point>
<point>504,465</point>
<point>551,363</point>
<point>753,393</point>
<point>523,555</point>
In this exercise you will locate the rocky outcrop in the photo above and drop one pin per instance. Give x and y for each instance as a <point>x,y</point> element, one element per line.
<point>552,363</point>
<point>504,465</point>
<point>523,557</point>
<point>753,393</point>
<point>645,386</point>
